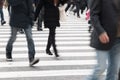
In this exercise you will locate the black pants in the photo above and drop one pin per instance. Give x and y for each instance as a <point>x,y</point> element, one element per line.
<point>68,6</point>
<point>40,19</point>
<point>51,39</point>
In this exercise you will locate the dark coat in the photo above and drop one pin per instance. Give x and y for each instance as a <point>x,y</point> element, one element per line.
<point>51,12</point>
<point>104,18</point>
<point>21,14</point>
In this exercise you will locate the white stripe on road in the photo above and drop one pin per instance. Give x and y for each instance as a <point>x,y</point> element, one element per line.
<point>63,54</point>
<point>20,74</point>
<point>59,48</point>
<point>49,63</point>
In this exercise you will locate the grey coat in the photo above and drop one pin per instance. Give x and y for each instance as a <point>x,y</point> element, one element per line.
<point>104,18</point>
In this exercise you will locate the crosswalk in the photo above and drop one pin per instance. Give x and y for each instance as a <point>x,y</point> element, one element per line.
<point>76,59</point>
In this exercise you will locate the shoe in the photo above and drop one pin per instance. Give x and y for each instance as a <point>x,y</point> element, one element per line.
<point>39,29</point>
<point>21,31</point>
<point>78,16</point>
<point>56,55</point>
<point>9,59</point>
<point>8,56</point>
<point>35,61</point>
<point>3,22</point>
<point>49,52</point>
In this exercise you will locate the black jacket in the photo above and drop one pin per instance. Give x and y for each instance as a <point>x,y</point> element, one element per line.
<point>51,12</point>
<point>104,18</point>
<point>21,13</point>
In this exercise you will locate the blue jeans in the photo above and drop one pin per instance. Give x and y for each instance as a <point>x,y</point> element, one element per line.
<point>28,33</point>
<point>112,57</point>
<point>2,15</point>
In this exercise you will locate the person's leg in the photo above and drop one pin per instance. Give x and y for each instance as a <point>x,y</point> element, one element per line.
<point>102,57</point>
<point>53,41</point>
<point>10,42</point>
<point>113,62</point>
<point>73,5</point>
<point>78,9</point>
<point>31,47</point>
<point>68,6</point>
<point>49,43</point>
<point>39,23</point>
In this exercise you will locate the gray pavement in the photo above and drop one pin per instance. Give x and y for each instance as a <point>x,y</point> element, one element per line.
<point>76,59</point>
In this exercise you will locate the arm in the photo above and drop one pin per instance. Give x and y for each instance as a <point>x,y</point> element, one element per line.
<point>95,9</point>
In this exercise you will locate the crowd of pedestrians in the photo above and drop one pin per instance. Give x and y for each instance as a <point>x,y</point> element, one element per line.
<point>104,19</point>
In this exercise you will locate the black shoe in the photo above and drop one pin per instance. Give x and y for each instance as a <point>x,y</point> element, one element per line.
<point>3,22</point>
<point>56,53</point>
<point>21,31</point>
<point>40,29</point>
<point>48,52</point>
<point>8,56</point>
<point>78,16</point>
<point>33,62</point>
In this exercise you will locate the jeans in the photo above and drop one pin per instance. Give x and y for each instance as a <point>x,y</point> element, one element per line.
<point>28,33</point>
<point>2,15</point>
<point>112,57</point>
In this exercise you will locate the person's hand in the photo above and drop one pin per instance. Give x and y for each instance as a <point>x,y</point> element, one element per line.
<point>104,38</point>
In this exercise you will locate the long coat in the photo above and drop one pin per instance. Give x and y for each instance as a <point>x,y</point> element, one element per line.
<point>21,13</point>
<point>104,18</point>
<point>51,12</point>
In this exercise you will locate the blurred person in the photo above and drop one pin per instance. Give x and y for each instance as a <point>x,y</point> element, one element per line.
<point>21,18</point>
<point>40,17</point>
<point>51,21</point>
<point>105,38</point>
<point>1,12</point>
<point>7,6</point>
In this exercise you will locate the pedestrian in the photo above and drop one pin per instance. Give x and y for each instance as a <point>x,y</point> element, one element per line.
<point>1,12</point>
<point>21,18</point>
<point>40,17</point>
<point>105,38</point>
<point>51,21</point>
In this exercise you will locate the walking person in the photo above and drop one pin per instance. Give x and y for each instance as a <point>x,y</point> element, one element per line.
<point>105,38</point>
<point>1,12</point>
<point>40,17</point>
<point>21,18</point>
<point>51,21</point>
<point>77,4</point>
